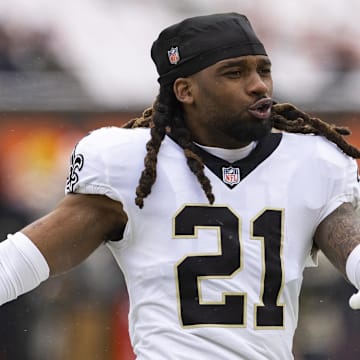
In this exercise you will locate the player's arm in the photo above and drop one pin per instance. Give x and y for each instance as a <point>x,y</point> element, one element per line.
<point>338,237</point>
<point>58,241</point>
<point>75,228</point>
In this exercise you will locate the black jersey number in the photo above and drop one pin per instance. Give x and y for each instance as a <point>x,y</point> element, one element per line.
<point>267,227</point>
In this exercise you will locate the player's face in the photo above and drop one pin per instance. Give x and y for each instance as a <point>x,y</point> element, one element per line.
<point>231,102</point>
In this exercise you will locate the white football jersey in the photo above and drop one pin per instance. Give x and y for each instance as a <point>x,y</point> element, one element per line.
<point>216,281</point>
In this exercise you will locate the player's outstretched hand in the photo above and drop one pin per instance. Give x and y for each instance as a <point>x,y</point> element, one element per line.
<point>354,301</point>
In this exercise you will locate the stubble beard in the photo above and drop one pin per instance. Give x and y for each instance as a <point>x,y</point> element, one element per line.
<point>248,129</point>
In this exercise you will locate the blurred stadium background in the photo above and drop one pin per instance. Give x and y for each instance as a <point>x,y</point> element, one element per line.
<point>68,67</point>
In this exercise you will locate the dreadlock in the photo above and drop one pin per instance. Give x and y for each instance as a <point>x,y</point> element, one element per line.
<point>166,116</point>
<point>288,118</point>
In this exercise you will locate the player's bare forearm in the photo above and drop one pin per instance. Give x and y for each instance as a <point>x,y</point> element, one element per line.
<point>338,234</point>
<point>75,228</point>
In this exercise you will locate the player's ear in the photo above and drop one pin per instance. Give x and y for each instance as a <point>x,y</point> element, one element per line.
<point>183,90</point>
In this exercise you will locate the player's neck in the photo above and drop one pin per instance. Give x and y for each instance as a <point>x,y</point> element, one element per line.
<point>230,155</point>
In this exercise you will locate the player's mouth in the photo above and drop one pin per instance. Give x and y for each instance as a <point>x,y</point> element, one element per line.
<point>261,109</point>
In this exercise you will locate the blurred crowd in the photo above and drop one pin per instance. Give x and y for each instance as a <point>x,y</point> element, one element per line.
<point>105,45</point>
<point>24,50</point>
<point>315,49</point>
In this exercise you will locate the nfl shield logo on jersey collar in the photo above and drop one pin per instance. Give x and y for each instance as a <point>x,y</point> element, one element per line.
<point>230,175</point>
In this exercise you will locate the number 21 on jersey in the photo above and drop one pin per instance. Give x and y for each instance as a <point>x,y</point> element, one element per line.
<point>266,227</point>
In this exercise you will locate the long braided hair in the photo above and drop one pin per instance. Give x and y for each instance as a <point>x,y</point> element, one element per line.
<point>166,116</point>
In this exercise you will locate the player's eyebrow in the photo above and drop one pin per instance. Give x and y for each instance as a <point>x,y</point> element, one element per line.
<point>265,61</point>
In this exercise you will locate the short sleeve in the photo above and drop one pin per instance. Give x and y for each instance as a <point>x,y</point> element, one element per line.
<point>87,170</point>
<point>344,188</point>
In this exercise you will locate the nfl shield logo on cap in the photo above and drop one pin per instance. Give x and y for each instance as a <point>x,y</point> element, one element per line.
<point>231,176</point>
<point>173,55</point>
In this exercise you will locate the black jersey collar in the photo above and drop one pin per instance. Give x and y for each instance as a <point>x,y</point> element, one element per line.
<point>232,173</point>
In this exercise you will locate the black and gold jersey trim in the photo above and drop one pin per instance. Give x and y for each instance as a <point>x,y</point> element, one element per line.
<point>262,151</point>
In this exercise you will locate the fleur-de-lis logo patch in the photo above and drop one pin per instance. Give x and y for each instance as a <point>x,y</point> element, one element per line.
<point>76,164</point>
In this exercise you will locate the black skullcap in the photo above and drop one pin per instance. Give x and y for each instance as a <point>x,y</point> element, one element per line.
<point>198,42</point>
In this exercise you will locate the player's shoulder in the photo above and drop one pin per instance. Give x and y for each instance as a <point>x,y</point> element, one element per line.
<point>314,147</point>
<point>112,136</point>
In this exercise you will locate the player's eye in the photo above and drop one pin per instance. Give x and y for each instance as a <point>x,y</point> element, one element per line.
<point>234,73</point>
<point>265,71</point>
